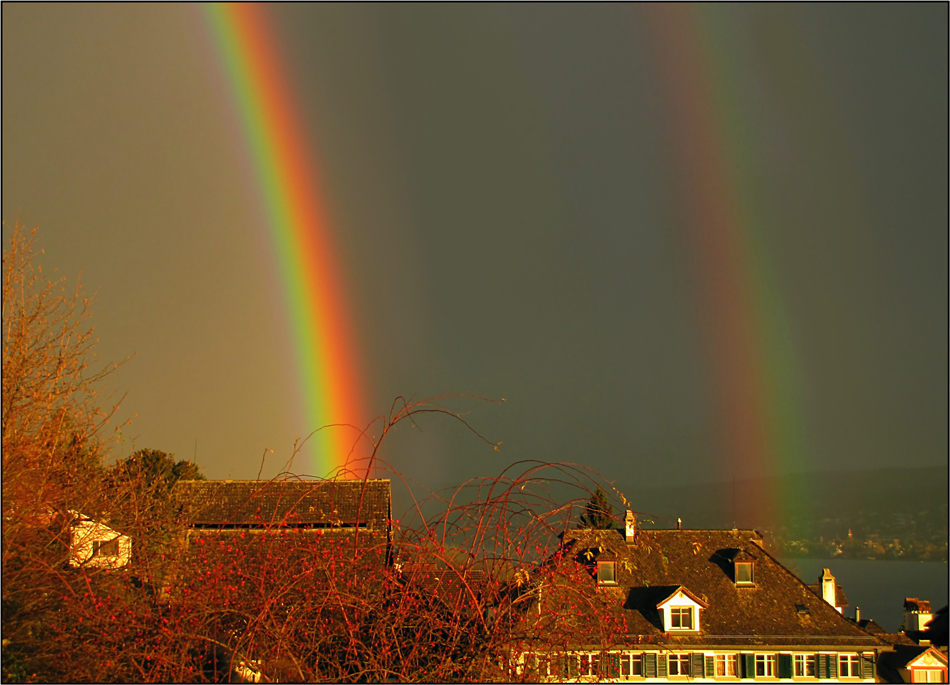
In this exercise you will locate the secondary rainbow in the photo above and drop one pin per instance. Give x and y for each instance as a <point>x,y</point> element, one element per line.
<point>292,198</point>
<point>723,199</point>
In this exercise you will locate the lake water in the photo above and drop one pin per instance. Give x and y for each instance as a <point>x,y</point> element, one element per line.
<point>879,587</point>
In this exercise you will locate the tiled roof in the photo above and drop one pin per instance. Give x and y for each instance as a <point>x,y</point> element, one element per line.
<point>453,588</point>
<point>765,613</point>
<point>289,503</point>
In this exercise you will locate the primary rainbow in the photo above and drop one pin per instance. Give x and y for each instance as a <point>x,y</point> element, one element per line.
<point>292,198</point>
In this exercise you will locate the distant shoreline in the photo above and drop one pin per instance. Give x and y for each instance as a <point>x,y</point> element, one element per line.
<point>784,558</point>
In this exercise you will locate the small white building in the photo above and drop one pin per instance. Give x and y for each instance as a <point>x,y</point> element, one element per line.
<point>93,544</point>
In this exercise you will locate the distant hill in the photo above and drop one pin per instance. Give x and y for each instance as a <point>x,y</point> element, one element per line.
<point>891,502</point>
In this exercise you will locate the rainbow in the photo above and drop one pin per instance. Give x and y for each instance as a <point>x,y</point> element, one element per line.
<point>724,205</point>
<point>291,194</point>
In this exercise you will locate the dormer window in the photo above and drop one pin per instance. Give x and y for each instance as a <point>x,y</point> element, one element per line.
<point>606,573</point>
<point>681,618</point>
<point>744,573</point>
<point>680,612</point>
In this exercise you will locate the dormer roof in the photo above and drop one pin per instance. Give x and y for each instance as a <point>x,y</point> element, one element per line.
<point>679,592</point>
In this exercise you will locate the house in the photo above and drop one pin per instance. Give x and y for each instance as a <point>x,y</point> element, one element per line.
<point>913,664</point>
<point>923,627</point>
<point>707,605</point>
<point>354,511</point>
<point>917,614</point>
<point>93,544</point>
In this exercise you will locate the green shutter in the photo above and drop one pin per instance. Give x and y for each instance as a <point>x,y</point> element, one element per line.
<point>710,666</point>
<point>832,665</point>
<point>867,666</point>
<point>649,665</point>
<point>784,665</point>
<point>748,665</point>
<point>661,670</point>
<point>696,665</point>
<point>822,663</point>
<point>613,665</point>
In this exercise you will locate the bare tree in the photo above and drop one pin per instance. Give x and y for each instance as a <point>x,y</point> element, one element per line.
<point>52,432</point>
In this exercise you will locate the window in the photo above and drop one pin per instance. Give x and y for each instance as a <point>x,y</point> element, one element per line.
<point>765,665</point>
<point>849,666</point>
<point>681,618</point>
<point>606,572</point>
<point>805,665</point>
<point>743,573</point>
<point>631,665</point>
<point>679,664</point>
<point>589,664</point>
<point>543,666</point>
<point>927,675</point>
<point>106,549</point>
<point>726,665</point>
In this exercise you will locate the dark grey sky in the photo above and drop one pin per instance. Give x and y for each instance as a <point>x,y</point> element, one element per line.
<point>507,191</point>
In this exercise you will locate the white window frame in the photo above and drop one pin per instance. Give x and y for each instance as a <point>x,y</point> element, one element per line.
<point>751,580</point>
<point>681,662</point>
<point>803,663</point>
<point>849,663</point>
<point>728,664</point>
<point>765,665</point>
<point>586,665</point>
<point>680,612</point>
<point>631,665</point>
<point>930,675</point>
<point>612,565</point>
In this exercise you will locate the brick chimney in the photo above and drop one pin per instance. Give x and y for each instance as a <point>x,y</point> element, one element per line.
<point>631,525</point>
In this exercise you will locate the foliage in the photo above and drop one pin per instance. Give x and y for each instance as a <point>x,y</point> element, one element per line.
<point>599,512</point>
<point>157,467</point>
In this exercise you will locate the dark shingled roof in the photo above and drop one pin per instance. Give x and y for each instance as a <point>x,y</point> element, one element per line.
<point>766,613</point>
<point>455,589</point>
<point>225,504</point>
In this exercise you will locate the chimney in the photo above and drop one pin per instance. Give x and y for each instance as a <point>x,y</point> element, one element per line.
<point>827,582</point>
<point>857,614</point>
<point>631,524</point>
<point>679,524</point>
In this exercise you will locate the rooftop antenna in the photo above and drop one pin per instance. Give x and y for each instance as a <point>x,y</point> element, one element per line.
<point>734,500</point>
